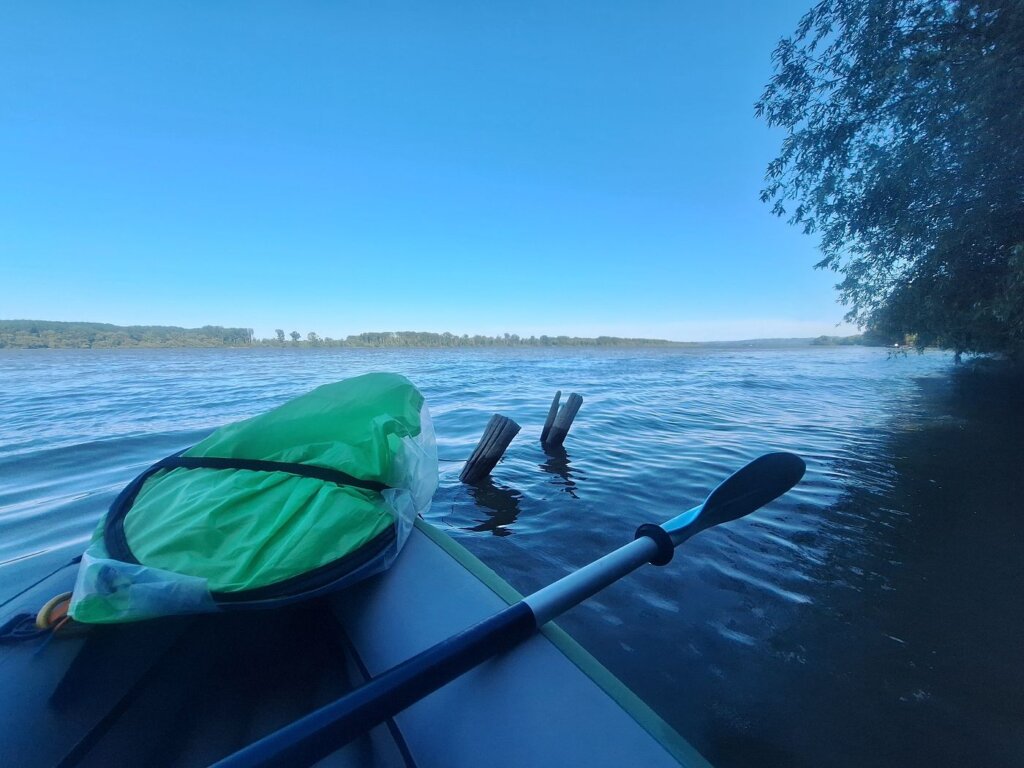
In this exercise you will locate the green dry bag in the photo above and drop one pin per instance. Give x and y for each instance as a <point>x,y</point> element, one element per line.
<point>309,497</point>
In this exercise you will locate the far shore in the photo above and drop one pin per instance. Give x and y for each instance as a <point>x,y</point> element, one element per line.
<point>48,334</point>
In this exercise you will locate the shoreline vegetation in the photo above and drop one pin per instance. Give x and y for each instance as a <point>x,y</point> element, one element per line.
<point>50,334</point>
<point>898,154</point>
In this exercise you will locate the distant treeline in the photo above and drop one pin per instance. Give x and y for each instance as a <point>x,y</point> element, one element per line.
<point>427,339</point>
<point>868,339</point>
<point>46,334</point>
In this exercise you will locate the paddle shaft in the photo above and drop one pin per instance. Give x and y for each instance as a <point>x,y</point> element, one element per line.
<point>328,729</point>
<point>558,597</point>
<point>331,727</point>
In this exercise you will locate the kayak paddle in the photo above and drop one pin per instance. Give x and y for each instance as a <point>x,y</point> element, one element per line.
<point>331,727</point>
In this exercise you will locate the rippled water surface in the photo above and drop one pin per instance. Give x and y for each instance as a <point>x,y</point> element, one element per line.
<point>873,616</point>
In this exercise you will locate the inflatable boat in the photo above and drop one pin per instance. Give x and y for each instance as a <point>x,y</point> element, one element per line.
<point>191,690</point>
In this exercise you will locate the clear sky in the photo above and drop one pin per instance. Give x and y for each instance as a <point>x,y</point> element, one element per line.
<point>476,167</point>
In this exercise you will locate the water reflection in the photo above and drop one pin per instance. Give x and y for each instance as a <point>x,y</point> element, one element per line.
<point>557,463</point>
<point>500,504</point>
<point>907,625</point>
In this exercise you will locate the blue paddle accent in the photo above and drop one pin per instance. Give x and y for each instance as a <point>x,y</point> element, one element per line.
<point>763,480</point>
<point>329,728</point>
<point>680,522</point>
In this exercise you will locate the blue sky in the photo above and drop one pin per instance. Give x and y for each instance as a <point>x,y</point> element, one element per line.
<point>579,168</point>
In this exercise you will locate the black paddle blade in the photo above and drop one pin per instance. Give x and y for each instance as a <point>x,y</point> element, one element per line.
<point>745,491</point>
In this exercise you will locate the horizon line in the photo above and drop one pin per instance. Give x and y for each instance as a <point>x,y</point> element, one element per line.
<point>500,336</point>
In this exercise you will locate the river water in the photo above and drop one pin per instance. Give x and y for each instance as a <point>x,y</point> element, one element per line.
<point>872,616</point>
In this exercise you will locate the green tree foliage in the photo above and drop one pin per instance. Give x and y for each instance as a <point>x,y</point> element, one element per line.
<point>295,336</point>
<point>280,336</point>
<point>904,154</point>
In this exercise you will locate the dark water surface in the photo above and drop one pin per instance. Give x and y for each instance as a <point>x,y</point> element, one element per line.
<point>873,616</point>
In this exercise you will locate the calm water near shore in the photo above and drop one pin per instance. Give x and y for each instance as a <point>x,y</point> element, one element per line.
<point>873,616</point>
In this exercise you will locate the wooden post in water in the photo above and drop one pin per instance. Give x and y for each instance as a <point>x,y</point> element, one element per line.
<point>552,412</point>
<point>495,439</point>
<point>555,434</point>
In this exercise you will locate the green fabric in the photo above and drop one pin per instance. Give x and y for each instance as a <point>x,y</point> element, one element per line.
<point>241,529</point>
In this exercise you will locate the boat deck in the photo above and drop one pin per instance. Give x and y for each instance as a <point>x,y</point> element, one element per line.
<point>187,691</point>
